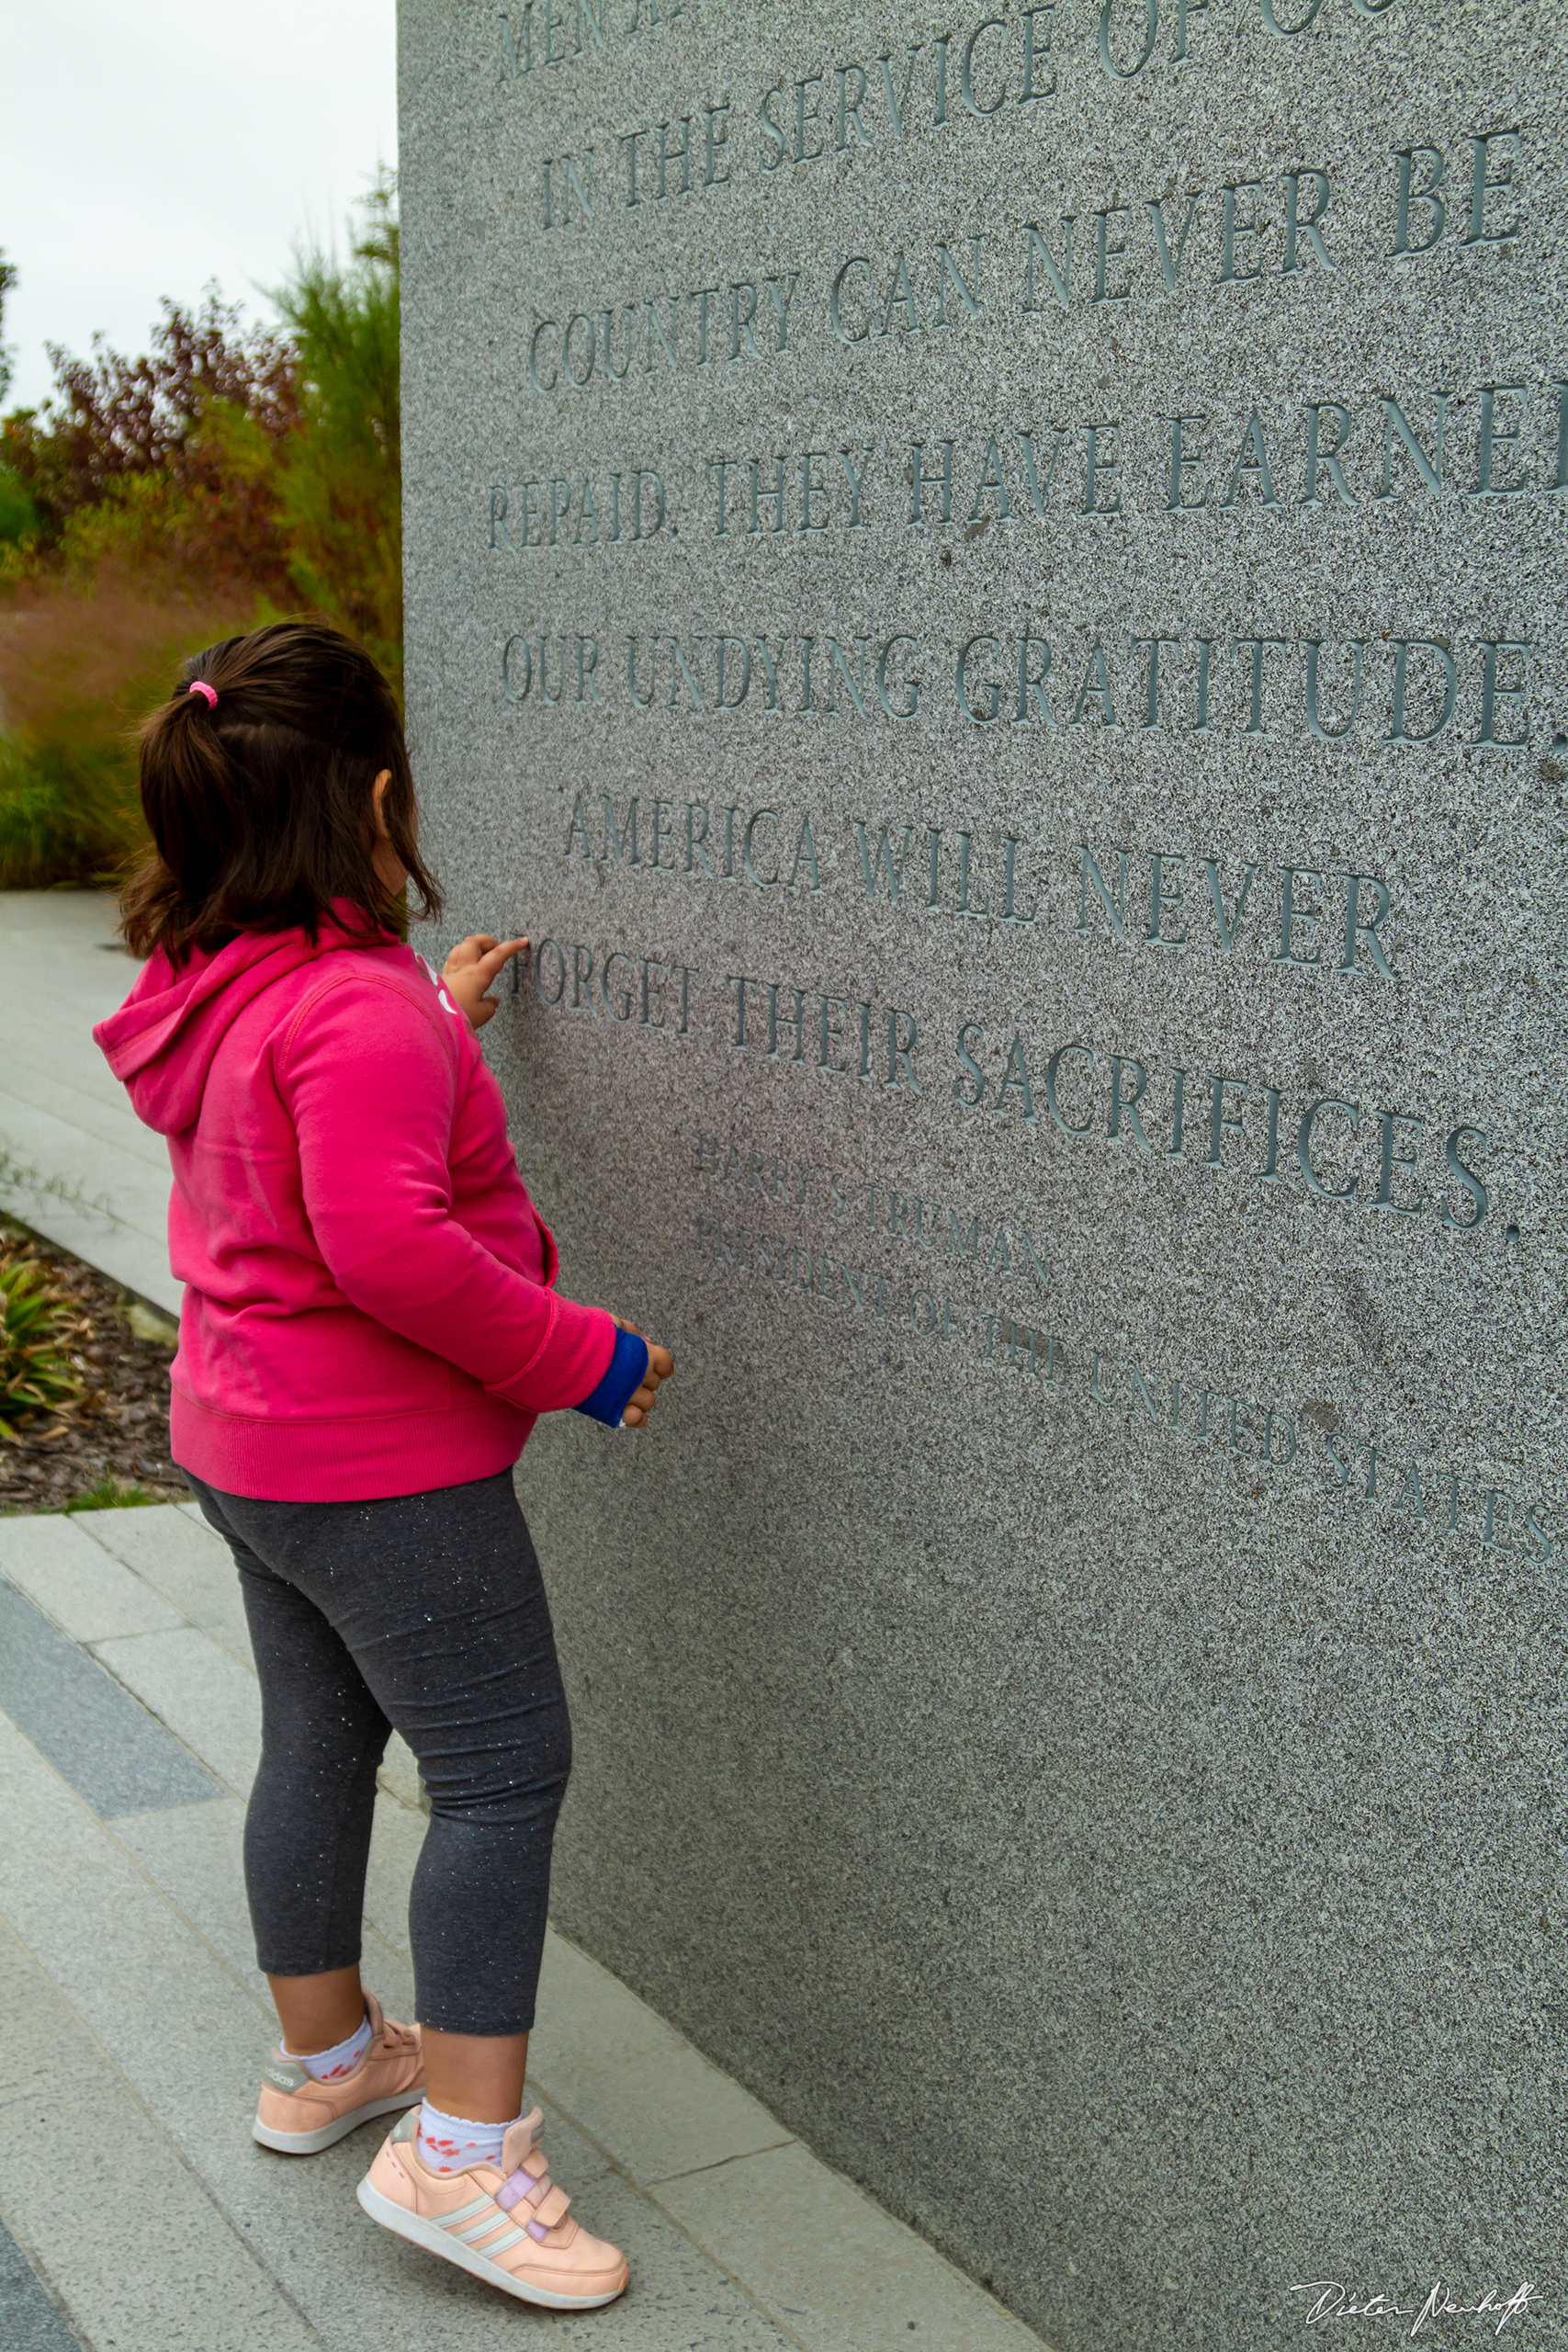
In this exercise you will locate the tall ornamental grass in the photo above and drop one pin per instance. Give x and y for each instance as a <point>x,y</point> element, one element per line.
<point>224,477</point>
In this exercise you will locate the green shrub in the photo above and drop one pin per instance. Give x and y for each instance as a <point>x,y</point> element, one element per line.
<point>40,1324</point>
<point>18,515</point>
<point>339,477</point>
<point>66,815</point>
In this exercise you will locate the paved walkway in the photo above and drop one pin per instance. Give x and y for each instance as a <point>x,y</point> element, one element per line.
<point>76,1162</point>
<point>136,2213</point>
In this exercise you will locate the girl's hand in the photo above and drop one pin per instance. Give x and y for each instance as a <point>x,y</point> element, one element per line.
<point>471,966</point>
<point>661,1367</point>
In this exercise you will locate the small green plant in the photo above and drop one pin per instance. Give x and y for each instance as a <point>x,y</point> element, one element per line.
<point>146,1322</point>
<point>40,1324</point>
<point>108,1494</point>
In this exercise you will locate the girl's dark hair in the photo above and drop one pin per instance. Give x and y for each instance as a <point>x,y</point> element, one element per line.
<point>260,805</point>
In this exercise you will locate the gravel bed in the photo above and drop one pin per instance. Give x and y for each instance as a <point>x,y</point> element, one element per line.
<point>118,1438</point>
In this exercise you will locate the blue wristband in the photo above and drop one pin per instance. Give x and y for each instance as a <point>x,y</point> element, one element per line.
<point>621,1382</point>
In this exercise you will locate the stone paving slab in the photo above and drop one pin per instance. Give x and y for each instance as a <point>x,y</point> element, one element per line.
<point>134,2244</point>
<point>88,1593</point>
<point>868,2287</point>
<point>29,2319</point>
<point>191,1852</point>
<point>171,1548</point>
<point>206,1698</point>
<point>177,1554</point>
<point>186,2040</point>
<point>62,1113</point>
<point>738,2237</point>
<point>120,1759</point>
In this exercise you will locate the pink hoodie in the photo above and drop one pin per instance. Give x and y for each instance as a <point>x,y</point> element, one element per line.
<point>369,1304</point>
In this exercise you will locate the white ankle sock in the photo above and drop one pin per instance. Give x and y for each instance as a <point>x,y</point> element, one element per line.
<point>451,2143</point>
<point>332,2066</point>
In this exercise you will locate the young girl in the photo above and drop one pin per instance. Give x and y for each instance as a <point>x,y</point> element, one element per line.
<point>370,1328</point>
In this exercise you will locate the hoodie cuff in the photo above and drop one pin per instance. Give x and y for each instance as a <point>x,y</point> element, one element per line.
<point>621,1382</point>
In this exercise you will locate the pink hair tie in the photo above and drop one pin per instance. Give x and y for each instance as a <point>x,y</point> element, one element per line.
<point>200,686</point>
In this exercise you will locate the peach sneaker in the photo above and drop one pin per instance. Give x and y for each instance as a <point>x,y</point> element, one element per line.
<point>507,2222</point>
<point>301,2117</point>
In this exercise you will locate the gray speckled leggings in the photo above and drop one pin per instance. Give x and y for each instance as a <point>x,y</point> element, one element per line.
<point>426,1611</point>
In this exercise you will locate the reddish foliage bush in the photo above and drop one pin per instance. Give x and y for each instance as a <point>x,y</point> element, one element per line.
<point>155,504</point>
<point>203,411</point>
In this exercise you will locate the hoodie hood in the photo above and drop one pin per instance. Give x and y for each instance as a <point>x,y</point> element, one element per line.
<point>161,1043</point>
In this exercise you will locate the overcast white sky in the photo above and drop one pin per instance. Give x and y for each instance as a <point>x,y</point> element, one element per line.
<point>149,145</point>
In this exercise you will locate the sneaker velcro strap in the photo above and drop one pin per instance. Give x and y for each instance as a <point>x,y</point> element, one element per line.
<point>523,2188</point>
<point>552,2209</point>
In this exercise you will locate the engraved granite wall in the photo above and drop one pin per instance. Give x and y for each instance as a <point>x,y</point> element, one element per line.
<point>988,587</point>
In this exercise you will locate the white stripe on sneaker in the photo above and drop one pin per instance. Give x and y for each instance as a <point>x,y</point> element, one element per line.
<point>491,2220</point>
<point>466,2213</point>
<point>503,2243</point>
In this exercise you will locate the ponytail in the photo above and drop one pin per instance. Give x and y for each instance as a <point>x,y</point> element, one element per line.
<point>257,778</point>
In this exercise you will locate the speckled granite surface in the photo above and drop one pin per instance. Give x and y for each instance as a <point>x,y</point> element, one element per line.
<point>1002,635</point>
